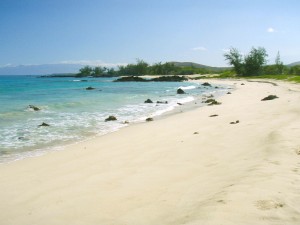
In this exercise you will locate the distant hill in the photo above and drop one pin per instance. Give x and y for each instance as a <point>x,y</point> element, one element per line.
<point>294,64</point>
<point>44,69</point>
<point>197,65</point>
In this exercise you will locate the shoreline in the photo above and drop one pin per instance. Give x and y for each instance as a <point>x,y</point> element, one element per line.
<point>157,115</point>
<point>186,168</point>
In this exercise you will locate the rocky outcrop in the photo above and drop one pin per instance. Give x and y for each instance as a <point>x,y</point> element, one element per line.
<point>180,91</point>
<point>90,88</point>
<point>212,101</point>
<point>270,97</point>
<point>149,119</point>
<point>35,108</point>
<point>157,79</point>
<point>131,79</point>
<point>110,118</point>
<point>148,101</point>
<point>170,79</point>
<point>206,84</point>
<point>44,125</point>
<point>162,102</point>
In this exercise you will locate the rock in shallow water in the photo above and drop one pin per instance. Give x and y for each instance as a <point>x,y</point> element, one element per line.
<point>180,91</point>
<point>148,101</point>
<point>110,118</point>
<point>149,119</point>
<point>35,108</point>
<point>162,102</point>
<point>206,84</point>
<point>44,125</point>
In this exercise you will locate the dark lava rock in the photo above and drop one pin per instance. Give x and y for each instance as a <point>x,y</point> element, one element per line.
<point>131,79</point>
<point>215,103</point>
<point>110,118</point>
<point>229,93</point>
<point>162,102</point>
<point>178,103</point>
<point>212,101</point>
<point>170,79</point>
<point>242,84</point>
<point>214,115</point>
<point>196,133</point>
<point>149,119</point>
<point>90,88</point>
<point>270,97</point>
<point>235,122</point>
<point>216,87</point>
<point>206,84</point>
<point>180,91</point>
<point>35,108</point>
<point>148,101</point>
<point>44,125</point>
<point>157,79</point>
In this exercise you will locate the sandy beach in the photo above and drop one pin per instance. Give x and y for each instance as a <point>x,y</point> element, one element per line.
<point>188,168</point>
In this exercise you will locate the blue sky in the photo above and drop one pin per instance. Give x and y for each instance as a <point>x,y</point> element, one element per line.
<point>108,32</point>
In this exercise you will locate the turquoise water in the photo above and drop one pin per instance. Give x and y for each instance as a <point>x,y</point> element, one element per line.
<point>75,113</point>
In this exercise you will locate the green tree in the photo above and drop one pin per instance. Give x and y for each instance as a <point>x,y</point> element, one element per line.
<point>295,70</point>
<point>98,71</point>
<point>85,71</point>
<point>111,72</point>
<point>249,65</point>
<point>235,59</point>
<point>141,67</point>
<point>254,61</point>
<point>279,64</point>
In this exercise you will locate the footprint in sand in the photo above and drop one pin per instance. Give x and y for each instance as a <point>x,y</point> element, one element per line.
<point>268,204</point>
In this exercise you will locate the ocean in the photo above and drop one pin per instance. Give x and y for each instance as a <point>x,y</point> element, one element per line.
<point>75,114</point>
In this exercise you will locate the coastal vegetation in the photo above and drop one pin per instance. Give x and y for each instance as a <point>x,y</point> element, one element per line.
<point>141,68</point>
<point>252,65</point>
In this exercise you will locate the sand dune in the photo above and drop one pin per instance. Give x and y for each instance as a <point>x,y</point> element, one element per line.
<point>188,168</point>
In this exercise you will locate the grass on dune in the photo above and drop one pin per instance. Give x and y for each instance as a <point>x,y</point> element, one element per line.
<point>283,77</point>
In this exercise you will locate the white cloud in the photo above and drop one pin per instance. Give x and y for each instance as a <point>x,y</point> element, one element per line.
<point>271,30</point>
<point>93,63</point>
<point>201,48</point>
